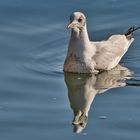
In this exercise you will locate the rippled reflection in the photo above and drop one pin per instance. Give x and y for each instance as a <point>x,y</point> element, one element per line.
<point>82,89</point>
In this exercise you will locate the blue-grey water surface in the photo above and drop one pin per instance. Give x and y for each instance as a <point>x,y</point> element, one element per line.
<point>34,102</point>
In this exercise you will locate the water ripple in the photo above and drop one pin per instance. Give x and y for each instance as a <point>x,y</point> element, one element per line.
<point>48,60</point>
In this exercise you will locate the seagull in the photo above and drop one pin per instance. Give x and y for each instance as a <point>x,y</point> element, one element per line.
<point>85,56</point>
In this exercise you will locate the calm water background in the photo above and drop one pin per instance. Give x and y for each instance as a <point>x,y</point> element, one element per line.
<point>34,102</point>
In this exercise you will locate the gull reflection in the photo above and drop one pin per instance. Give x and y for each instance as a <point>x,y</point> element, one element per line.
<point>82,89</point>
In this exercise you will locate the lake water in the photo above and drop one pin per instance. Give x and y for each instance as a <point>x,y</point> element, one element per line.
<point>37,100</point>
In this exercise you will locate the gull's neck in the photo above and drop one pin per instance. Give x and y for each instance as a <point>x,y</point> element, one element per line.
<point>79,43</point>
<point>81,35</point>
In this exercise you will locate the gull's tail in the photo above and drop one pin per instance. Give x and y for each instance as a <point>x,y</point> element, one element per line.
<point>129,33</point>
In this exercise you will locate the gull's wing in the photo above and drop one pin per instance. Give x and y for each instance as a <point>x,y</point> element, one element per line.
<point>109,52</point>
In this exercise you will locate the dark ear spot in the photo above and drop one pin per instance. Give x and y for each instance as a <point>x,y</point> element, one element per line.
<point>84,23</point>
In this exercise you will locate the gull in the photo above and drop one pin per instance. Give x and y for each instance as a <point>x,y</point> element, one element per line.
<point>85,56</point>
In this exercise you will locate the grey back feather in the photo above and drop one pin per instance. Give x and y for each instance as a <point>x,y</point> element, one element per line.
<point>109,52</point>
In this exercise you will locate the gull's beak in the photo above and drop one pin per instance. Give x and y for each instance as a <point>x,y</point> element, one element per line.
<point>72,25</point>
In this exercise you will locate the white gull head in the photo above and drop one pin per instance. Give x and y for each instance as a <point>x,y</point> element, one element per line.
<point>77,21</point>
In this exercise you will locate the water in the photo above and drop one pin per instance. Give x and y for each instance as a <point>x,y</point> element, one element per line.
<point>34,99</point>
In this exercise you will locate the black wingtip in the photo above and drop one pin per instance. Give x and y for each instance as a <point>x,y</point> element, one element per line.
<point>129,33</point>
<point>131,30</point>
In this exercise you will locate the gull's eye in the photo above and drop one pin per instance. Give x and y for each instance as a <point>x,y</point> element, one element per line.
<point>80,19</point>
